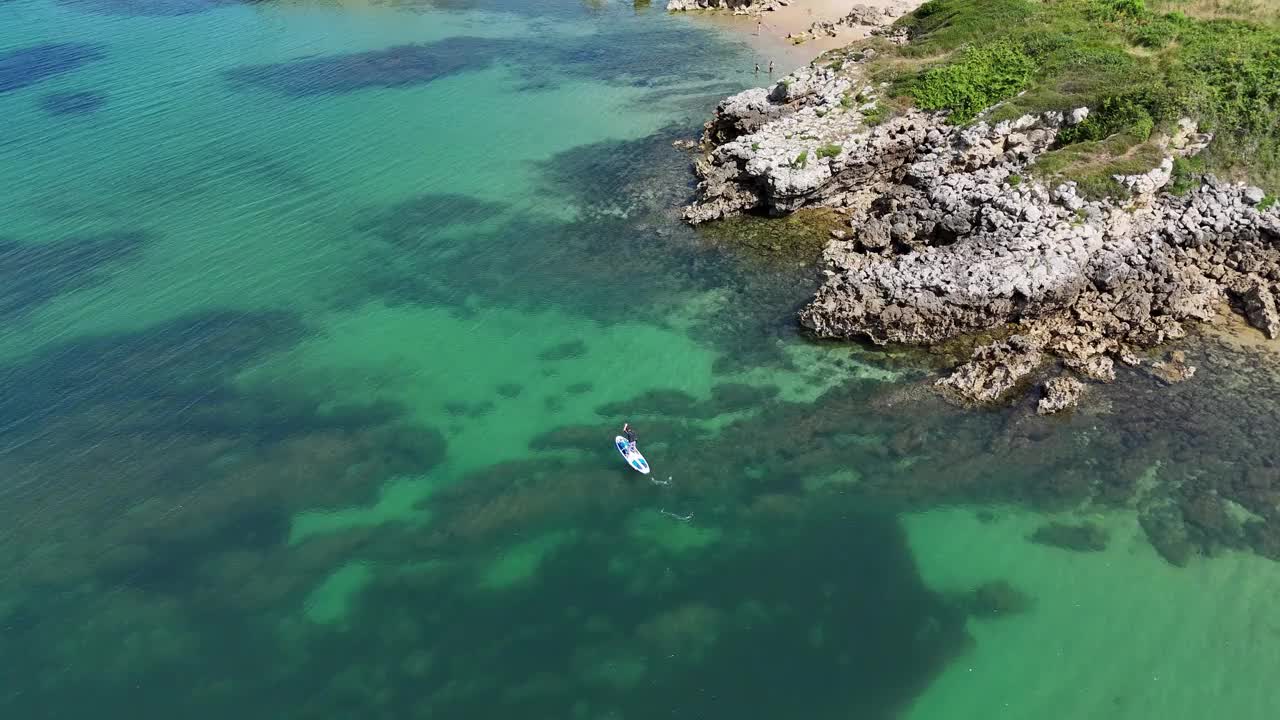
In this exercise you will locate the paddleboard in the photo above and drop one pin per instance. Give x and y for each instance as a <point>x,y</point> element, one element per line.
<point>633,457</point>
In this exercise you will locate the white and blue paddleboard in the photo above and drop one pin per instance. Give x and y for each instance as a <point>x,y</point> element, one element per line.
<point>633,457</point>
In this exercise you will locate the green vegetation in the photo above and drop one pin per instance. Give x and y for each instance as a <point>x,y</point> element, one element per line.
<point>829,150</point>
<point>847,101</point>
<point>979,77</point>
<point>1137,69</point>
<point>875,115</point>
<point>793,239</point>
<point>801,160</point>
<point>755,146</point>
<point>1267,202</point>
<point>1014,180</point>
<point>1186,174</point>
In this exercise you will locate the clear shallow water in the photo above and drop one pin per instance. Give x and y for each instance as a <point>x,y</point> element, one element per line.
<point>318,319</point>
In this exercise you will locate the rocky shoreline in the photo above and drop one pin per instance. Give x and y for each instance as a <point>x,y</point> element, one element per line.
<point>951,235</point>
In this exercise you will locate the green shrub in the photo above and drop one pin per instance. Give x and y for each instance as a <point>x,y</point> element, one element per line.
<point>1114,10</point>
<point>1135,112</point>
<point>983,76</point>
<point>876,115</point>
<point>847,101</point>
<point>829,150</point>
<point>929,8</point>
<point>1267,202</point>
<point>801,160</point>
<point>755,146</point>
<point>1187,174</point>
<point>1036,55</point>
<point>1014,180</point>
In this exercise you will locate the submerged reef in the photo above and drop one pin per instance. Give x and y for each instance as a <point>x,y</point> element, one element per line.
<point>77,102</point>
<point>27,66</point>
<point>395,67</point>
<point>1085,537</point>
<point>34,273</point>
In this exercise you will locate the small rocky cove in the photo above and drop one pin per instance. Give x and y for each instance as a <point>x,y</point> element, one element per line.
<point>951,234</point>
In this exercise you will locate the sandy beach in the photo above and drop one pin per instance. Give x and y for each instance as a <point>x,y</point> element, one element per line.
<point>767,31</point>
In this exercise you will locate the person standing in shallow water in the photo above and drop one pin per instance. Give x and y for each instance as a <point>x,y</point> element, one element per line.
<point>757,68</point>
<point>770,67</point>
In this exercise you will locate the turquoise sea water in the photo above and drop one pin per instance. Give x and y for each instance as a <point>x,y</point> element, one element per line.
<point>317,320</point>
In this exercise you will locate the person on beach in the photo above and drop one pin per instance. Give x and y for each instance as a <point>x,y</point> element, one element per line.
<point>629,433</point>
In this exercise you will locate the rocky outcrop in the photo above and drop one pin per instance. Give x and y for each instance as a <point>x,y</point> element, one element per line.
<point>994,370</point>
<point>1259,304</point>
<point>947,238</point>
<point>859,16</point>
<point>1060,393</point>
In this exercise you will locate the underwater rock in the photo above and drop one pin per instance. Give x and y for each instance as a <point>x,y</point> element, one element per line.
<point>567,350</point>
<point>1263,536</point>
<point>1173,369</point>
<point>1167,533</point>
<point>686,633</point>
<point>151,8</point>
<point>732,397</point>
<point>1085,537</point>
<point>33,273</point>
<point>1209,523</point>
<point>657,402</point>
<point>997,599</point>
<point>510,390</point>
<point>395,67</point>
<point>27,66</point>
<point>80,102</point>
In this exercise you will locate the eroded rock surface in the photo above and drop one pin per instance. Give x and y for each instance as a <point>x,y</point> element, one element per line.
<point>949,236</point>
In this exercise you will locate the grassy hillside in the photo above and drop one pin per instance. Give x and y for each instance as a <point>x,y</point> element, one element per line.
<point>1138,68</point>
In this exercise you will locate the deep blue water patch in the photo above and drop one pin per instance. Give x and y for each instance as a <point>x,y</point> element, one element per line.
<point>34,273</point>
<point>151,8</point>
<point>76,102</point>
<point>27,66</point>
<point>394,67</point>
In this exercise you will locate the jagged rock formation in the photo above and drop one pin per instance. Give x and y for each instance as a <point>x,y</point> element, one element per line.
<point>858,16</point>
<point>946,237</point>
<point>1060,393</point>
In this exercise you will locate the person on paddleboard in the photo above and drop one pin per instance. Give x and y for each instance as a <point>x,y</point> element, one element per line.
<point>629,433</point>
